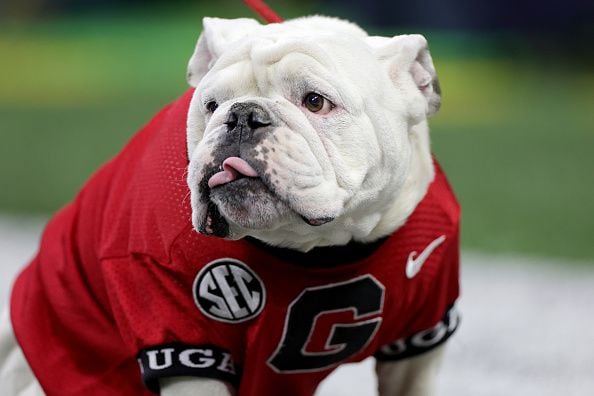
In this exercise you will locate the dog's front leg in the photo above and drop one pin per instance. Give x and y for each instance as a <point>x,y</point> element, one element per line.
<point>414,376</point>
<point>189,386</point>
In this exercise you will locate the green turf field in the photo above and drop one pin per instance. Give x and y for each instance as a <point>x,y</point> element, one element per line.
<point>515,135</point>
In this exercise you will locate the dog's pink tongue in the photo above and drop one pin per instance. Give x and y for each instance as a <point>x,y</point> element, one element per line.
<point>233,169</point>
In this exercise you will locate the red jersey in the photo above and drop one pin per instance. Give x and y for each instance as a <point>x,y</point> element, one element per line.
<point>123,291</point>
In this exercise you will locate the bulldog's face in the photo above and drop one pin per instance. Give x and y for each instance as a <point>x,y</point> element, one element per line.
<point>301,133</point>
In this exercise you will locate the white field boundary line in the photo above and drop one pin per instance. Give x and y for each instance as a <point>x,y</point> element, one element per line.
<point>526,326</point>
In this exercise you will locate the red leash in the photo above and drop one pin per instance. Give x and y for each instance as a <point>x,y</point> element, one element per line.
<point>264,11</point>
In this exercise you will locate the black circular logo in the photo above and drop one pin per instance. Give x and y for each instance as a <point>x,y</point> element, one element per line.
<point>228,290</point>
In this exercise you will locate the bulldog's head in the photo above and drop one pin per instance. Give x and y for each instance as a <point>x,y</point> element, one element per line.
<point>308,132</point>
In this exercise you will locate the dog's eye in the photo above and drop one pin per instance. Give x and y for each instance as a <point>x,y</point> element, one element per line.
<point>316,103</point>
<point>212,106</point>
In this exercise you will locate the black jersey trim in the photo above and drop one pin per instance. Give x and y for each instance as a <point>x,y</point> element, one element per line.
<point>323,256</point>
<point>175,360</point>
<point>423,341</point>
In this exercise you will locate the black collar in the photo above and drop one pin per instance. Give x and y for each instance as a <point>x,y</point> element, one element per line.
<point>326,256</point>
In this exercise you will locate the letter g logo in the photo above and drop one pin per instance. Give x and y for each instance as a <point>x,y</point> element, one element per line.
<point>364,296</point>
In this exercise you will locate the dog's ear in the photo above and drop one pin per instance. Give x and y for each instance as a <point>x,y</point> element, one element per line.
<point>409,61</point>
<point>217,34</point>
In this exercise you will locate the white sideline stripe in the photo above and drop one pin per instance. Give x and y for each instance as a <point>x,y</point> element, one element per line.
<point>526,325</point>
<point>19,238</point>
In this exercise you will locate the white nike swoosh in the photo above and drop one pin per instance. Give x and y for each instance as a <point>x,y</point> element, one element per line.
<point>413,266</point>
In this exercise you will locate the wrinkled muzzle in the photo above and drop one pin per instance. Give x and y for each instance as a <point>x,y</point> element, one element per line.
<point>260,171</point>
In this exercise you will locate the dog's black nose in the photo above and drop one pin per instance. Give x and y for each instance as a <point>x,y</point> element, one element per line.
<point>247,116</point>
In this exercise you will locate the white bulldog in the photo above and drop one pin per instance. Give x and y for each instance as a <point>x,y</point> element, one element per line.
<point>303,134</point>
<point>325,125</point>
<point>318,124</point>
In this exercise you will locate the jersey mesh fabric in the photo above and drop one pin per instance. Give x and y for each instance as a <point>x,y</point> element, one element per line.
<point>115,270</point>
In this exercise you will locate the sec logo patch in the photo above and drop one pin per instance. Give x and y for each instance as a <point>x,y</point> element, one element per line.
<point>229,291</point>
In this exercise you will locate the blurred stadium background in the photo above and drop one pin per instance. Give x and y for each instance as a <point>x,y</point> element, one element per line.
<point>515,133</point>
